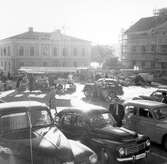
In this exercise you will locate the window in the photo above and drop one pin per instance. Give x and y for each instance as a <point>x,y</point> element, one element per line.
<point>54,51</point>
<point>31,51</point>
<point>75,52</point>
<point>45,50</point>
<point>4,51</point>
<point>1,52</point>
<point>8,51</point>
<point>64,51</point>
<point>21,51</point>
<point>157,94</point>
<point>13,121</point>
<point>131,109</point>
<point>144,112</point>
<point>80,122</point>
<point>67,120</point>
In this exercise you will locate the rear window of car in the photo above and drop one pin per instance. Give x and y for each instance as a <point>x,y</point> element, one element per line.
<point>13,121</point>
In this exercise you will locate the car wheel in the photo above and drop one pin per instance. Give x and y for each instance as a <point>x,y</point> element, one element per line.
<point>106,157</point>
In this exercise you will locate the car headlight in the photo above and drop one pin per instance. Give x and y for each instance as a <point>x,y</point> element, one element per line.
<point>72,162</point>
<point>93,158</point>
<point>148,143</point>
<point>121,151</point>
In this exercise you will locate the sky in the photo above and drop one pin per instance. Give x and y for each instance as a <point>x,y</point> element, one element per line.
<point>99,21</point>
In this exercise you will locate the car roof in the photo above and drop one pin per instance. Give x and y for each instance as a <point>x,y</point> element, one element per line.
<point>106,79</point>
<point>9,106</point>
<point>148,103</point>
<point>162,90</point>
<point>83,109</point>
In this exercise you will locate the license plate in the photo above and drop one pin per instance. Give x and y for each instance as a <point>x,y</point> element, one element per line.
<point>143,155</point>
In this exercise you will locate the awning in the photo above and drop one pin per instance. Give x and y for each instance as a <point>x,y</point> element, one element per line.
<point>40,70</point>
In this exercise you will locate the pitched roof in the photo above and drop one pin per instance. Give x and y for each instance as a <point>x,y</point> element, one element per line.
<point>42,36</point>
<point>148,23</point>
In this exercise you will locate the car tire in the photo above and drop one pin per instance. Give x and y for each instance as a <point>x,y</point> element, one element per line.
<point>106,157</point>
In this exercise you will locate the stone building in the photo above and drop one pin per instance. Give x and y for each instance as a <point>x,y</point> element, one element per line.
<point>145,43</point>
<point>41,49</point>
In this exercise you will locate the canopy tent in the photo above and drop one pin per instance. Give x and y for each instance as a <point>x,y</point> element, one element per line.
<point>43,70</point>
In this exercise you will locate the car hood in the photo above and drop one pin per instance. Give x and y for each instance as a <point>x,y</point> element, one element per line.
<point>52,141</point>
<point>116,134</point>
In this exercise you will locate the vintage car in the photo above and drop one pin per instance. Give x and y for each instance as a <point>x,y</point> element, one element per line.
<point>154,96</point>
<point>1,101</point>
<point>95,126</point>
<point>104,88</point>
<point>28,135</point>
<point>149,118</point>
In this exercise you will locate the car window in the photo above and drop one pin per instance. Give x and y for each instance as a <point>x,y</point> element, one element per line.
<point>101,120</point>
<point>13,121</point>
<point>40,117</point>
<point>67,119</point>
<point>160,113</point>
<point>157,94</point>
<point>80,122</point>
<point>144,112</point>
<point>130,109</point>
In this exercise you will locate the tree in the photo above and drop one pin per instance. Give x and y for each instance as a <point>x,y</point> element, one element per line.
<point>101,52</point>
<point>112,63</point>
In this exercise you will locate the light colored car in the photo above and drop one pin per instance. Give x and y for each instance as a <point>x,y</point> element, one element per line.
<point>28,135</point>
<point>154,96</point>
<point>148,118</point>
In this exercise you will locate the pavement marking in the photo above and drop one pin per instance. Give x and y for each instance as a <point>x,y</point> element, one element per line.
<point>158,155</point>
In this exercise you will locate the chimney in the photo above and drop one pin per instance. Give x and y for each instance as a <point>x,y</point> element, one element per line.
<point>30,29</point>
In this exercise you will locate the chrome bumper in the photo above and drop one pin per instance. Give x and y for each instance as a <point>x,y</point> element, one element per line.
<point>134,157</point>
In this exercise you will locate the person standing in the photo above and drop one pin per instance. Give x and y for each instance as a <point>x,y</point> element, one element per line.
<point>164,98</point>
<point>51,98</point>
<point>117,110</point>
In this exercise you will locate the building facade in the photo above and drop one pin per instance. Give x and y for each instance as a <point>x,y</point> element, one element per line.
<point>145,44</point>
<point>41,49</point>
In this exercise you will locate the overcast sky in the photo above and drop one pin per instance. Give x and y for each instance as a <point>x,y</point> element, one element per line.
<point>99,21</point>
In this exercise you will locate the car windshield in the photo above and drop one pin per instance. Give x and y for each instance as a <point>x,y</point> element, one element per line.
<point>101,120</point>
<point>161,113</point>
<point>16,121</point>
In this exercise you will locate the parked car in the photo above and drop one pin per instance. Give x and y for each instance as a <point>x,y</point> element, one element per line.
<point>1,101</point>
<point>103,88</point>
<point>149,118</point>
<point>95,126</point>
<point>28,135</point>
<point>154,96</point>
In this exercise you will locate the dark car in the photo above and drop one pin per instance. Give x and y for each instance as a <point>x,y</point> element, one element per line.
<point>103,88</point>
<point>28,135</point>
<point>95,126</point>
<point>154,96</point>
